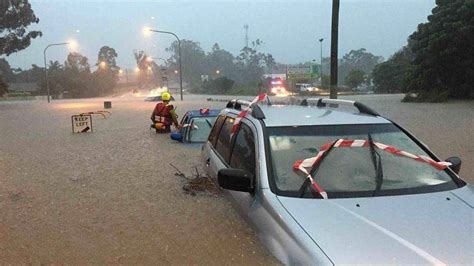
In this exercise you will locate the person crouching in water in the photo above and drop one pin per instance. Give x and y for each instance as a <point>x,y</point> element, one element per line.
<point>164,115</point>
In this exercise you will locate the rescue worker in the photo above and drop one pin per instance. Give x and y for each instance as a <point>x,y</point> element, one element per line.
<point>164,115</point>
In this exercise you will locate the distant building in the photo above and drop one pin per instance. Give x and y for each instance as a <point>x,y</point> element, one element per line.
<point>30,87</point>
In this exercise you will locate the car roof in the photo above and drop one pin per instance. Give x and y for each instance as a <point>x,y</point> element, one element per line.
<point>296,115</point>
<point>197,113</point>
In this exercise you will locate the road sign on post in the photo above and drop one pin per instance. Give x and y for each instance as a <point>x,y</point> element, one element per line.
<point>299,70</point>
<point>81,123</point>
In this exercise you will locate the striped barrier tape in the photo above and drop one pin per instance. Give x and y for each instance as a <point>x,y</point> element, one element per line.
<point>306,165</point>
<point>244,113</point>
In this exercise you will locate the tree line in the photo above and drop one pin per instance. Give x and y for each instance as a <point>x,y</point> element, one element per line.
<point>73,78</point>
<point>438,61</point>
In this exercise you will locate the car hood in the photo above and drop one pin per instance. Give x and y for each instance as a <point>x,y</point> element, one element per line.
<point>432,228</point>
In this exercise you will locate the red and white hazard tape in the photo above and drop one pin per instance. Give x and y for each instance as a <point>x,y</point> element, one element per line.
<point>306,165</point>
<point>244,113</point>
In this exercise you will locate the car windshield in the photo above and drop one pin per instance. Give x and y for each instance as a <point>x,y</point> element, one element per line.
<point>201,126</point>
<point>352,171</point>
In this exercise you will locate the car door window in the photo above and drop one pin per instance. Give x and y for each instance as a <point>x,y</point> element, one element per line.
<point>200,128</point>
<point>216,129</point>
<point>243,153</point>
<point>223,141</point>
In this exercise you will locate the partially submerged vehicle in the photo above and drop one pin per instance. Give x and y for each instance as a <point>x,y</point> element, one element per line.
<point>195,126</point>
<point>324,186</point>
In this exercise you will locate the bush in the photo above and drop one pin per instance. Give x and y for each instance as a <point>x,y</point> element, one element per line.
<point>219,85</point>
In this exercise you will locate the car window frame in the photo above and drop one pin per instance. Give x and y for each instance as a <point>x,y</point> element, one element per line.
<point>234,140</point>
<point>189,129</point>
<point>253,128</point>
<point>218,128</point>
<point>230,144</point>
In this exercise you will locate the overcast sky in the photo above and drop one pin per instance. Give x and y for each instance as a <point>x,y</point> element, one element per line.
<point>289,29</point>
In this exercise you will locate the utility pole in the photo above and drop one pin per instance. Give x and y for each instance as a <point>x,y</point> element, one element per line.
<point>321,56</point>
<point>334,42</point>
<point>246,27</point>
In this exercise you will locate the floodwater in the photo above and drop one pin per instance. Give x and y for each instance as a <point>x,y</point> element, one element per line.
<point>111,197</point>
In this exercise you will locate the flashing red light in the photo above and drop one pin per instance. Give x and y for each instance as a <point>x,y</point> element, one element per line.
<point>204,111</point>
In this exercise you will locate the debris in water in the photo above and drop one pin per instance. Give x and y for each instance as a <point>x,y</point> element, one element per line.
<point>197,183</point>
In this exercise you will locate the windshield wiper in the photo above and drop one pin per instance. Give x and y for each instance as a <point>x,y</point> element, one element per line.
<point>315,167</point>
<point>377,165</point>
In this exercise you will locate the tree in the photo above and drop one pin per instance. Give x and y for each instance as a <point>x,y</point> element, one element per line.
<point>391,75</point>
<point>107,55</point>
<point>443,50</point>
<point>34,74</point>
<point>357,59</point>
<point>77,77</point>
<point>105,77</point>
<point>6,71</point>
<point>77,62</point>
<point>251,62</point>
<point>145,66</point>
<point>193,60</point>
<point>222,60</point>
<point>354,78</point>
<point>15,17</point>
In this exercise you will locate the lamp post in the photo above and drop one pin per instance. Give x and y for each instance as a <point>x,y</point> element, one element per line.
<point>321,56</point>
<point>179,54</point>
<point>46,65</point>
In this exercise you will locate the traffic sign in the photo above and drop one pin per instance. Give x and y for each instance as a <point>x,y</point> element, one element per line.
<point>81,123</point>
<point>299,70</point>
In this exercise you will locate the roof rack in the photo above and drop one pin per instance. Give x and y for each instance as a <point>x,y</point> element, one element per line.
<point>237,104</point>
<point>322,102</point>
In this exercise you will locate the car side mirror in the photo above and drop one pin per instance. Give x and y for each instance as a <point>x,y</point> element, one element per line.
<point>235,179</point>
<point>455,164</point>
<point>176,136</point>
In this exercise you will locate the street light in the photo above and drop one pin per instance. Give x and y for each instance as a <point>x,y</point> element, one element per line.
<point>176,71</point>
<point>217,72</point>
<point>321,55</point>
<point>179,54</point>
<point>71,43</point>
<point>103,64</point>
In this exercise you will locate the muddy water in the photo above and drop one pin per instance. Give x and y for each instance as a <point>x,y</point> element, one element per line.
<point>110,196</point>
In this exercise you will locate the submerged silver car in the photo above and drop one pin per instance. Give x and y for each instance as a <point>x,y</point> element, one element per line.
<point>322,185</point>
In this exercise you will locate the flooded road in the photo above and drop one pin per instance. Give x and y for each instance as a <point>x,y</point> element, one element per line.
<point>111,196</point>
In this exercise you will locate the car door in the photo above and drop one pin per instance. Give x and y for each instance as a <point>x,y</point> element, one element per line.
<point>219,153</point>
<point>208,149</point>
<point>243,157</point>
